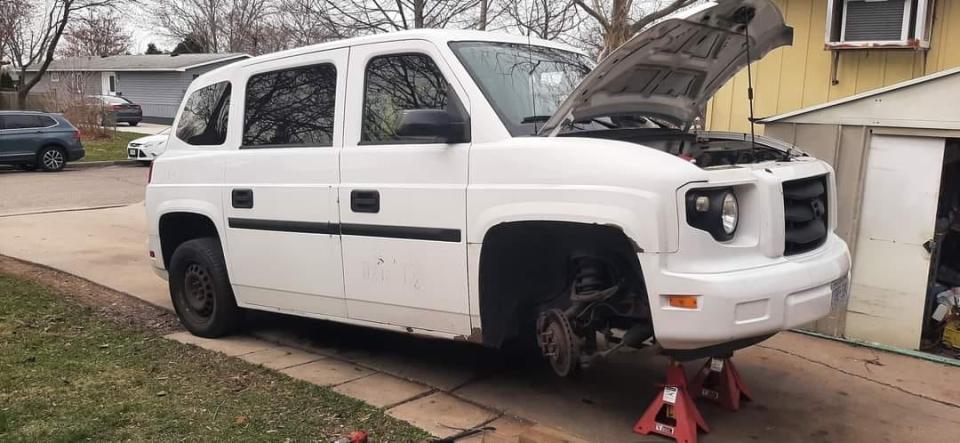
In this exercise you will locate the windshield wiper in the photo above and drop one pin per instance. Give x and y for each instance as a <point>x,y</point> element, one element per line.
<point>535,119</point>
<point>544,118</point>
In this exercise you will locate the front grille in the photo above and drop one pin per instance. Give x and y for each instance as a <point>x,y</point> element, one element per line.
<point>805,209</point>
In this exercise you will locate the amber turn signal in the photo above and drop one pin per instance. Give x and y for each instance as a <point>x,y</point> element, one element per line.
<point>682,301</point>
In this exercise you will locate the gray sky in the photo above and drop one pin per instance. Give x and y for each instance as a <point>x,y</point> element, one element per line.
<point>141,30</point>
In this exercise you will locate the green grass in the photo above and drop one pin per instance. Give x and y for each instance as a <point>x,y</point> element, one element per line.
<point>113,147</point>
<point>67,374</point>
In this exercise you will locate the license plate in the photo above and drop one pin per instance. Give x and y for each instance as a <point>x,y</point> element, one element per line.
<point>133,152</point>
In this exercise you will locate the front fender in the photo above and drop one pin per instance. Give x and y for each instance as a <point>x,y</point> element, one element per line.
<point>636,212</point>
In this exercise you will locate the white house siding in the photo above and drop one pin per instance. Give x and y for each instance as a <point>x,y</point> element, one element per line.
<point>68,84</point>
<point>158,93</point>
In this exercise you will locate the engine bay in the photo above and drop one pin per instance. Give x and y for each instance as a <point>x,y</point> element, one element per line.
<point>701,149</point>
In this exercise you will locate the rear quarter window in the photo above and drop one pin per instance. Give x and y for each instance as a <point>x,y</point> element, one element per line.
<point>204,118</point>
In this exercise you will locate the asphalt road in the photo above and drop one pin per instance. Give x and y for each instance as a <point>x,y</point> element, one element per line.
<point>73,188</point>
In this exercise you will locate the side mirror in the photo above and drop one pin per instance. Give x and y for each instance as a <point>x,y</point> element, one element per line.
<point>433,123</point>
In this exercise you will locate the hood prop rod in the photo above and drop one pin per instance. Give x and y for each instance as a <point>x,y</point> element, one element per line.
<point>753,124</point>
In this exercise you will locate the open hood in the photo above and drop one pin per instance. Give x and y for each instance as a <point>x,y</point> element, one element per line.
<point>671,69</point>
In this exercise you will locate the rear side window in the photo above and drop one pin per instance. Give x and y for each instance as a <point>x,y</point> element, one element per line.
<point>396,83</point>
<point>203,121</point>
<point>20,121</point>
<point>293,107</point>
<point>46,121</point>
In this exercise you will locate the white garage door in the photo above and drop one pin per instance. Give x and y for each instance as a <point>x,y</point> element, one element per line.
<point>898,213</point>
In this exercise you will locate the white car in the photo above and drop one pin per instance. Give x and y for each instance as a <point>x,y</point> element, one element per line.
<point>147,148</point>
<point>489,188</point>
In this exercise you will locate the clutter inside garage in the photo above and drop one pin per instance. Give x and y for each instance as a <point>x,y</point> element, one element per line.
<point>941,329</point>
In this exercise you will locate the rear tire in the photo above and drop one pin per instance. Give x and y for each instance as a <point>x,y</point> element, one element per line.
<point>133,123</point>
<point>200,289</point>
<point>51,158</point>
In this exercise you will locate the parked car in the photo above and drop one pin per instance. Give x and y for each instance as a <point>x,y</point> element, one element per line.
<point>114,108</point>
<point>489,188</point>
<point>32,140</point>
<point>145,149</point>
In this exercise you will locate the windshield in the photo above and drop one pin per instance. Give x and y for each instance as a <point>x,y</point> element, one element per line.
<point>525,84</point>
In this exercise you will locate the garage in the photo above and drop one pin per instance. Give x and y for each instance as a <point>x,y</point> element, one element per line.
<point>896,152</point>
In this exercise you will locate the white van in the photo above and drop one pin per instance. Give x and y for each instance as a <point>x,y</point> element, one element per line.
<point>489,188</point>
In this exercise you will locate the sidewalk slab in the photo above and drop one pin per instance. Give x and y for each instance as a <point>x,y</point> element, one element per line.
<point>382,390</point>
<point>327,372</point>
<point>442,415</point>
<point>232,346</point>
<point>280,357</point>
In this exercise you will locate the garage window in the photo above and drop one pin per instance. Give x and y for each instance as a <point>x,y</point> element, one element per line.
<point>291,108</point>
<point>203,121</point>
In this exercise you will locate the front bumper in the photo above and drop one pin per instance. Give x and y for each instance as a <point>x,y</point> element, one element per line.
<point>738,305</point>
<point>136,153</point>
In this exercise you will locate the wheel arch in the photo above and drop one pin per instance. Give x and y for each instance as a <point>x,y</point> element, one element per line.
<point>524,263</point>
<point>176,226</point>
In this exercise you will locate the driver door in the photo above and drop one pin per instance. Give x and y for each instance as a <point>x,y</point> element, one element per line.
<point>403,198</point>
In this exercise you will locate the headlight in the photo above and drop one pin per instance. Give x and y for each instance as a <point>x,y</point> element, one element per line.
<point>714,210</point>
<point>729,213</point>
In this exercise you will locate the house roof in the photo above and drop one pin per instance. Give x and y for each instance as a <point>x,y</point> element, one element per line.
<point>158,62</point>
<point>923,102</point>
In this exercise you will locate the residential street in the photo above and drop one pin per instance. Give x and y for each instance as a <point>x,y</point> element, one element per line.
<point>74,187</point>
<point>805,389</point>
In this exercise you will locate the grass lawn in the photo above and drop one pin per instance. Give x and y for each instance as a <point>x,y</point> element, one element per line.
<point>113,147</point>
<point>68,374</point>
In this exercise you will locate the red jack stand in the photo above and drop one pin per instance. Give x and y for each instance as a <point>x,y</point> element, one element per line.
<point>720,382</point>
<point>673,414</point>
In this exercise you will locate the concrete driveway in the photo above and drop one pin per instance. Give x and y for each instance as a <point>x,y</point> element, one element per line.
<point>806,389</point>
<point>73,187</point>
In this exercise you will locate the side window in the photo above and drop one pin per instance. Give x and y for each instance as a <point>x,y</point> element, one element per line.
<point>46,121</point>
<point>20,121</point>
<point>203,120</point>
<point>293,107</point>
<point>398,83</point>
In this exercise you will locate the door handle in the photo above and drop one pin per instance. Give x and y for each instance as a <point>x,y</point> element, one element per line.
<point>242,198</point>
<point>365,200</point>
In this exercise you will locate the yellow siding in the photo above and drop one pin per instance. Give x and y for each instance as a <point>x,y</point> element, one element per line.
<point>799,76</point>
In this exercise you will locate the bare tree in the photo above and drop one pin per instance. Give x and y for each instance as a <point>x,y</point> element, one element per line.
<point>307,22</point>
<point>546,19</point>
<point>32,36</point>
<point>618,20</point>
<point>251,26</point>
<point>12,14</point>
<point>372,16</point>
<point>98,32</point>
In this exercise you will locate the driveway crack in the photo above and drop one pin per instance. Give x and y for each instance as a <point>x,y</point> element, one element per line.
<point>853,374</point>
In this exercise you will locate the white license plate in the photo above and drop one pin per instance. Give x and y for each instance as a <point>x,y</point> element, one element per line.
<point>133,152</point>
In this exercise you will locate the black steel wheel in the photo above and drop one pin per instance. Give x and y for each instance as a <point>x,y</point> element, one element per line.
<point>559,345</point>
<point>200,289</point>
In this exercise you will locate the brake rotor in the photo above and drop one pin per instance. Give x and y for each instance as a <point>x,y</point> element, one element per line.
<point>557,342</point>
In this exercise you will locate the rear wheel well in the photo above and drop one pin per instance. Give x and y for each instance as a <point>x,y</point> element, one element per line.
<point>55,145</point>
<point>526,267</point>
<point>178,227</point>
